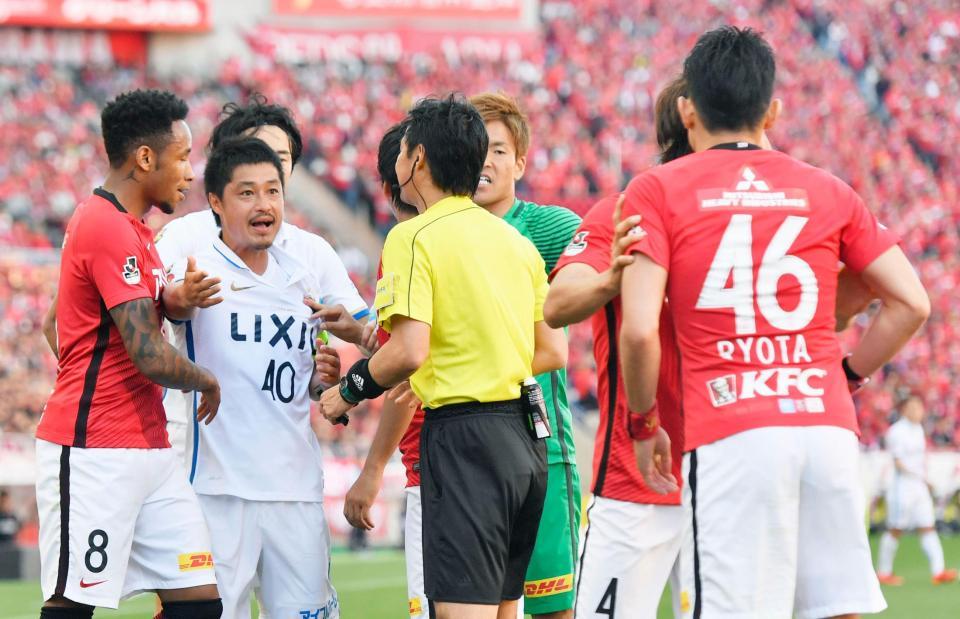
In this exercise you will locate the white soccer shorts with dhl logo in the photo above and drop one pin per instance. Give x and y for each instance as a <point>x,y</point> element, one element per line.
<point>117,522</point>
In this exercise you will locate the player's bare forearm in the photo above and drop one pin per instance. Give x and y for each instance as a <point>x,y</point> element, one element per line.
<point>49,327</point>
<point>904,307</point>
<point>136,321</point>
<point>577,292</point>
<point>394,420</point>
<point>853,297</point>
<point>642,293</point>
<point>549,349</point>
<point>403,354</point>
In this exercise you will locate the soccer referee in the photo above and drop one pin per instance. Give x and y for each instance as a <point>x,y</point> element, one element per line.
<point>462,295</point>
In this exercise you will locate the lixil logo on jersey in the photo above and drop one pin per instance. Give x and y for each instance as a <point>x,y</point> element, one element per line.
<point>192,561</point>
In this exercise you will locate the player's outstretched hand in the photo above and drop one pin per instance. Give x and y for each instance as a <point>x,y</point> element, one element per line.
<point>337,320</point>
<point>655,463</point>
<point>209,400</point>
<point>369,342</point>
<point>359,499</point>
<point>625,234</point>
<point>333,406</point>
<point>198,288</point>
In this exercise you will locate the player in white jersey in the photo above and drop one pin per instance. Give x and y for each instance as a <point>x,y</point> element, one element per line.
<point>185,236</point>
<point>909,504</point>
<point>259,478</point>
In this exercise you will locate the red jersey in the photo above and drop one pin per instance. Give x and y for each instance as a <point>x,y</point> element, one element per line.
<point>615,473</point>
<point>100,399</point>
<point>752,241</point>
<point>410,443</point>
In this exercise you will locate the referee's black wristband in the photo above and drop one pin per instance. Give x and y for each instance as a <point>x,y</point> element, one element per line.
<point>360,384</point>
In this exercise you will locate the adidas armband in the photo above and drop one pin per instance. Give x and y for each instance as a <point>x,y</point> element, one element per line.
<point>358,385</point>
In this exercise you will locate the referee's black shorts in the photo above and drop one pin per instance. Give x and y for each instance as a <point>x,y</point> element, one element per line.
<point>482,483</point>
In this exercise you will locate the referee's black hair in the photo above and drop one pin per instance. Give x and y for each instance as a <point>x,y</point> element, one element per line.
<point>139,118</point>
<point>231,154</point>
<point>237,119</point>
<point>730,74</point>
<point>455,140</point>
<point>386,160</point>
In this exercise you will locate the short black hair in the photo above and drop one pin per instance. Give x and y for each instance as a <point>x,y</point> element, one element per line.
<point>730,74</point>
<point>386,160</point>
<point>231,154</point>
<point>455,139</point>
<point>140,117</point>
<point>237,119</point>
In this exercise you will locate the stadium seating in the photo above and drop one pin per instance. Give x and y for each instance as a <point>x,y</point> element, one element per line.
<point>870,92</point>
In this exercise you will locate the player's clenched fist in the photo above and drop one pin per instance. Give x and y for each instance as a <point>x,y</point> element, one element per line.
<point>326,370</point>
<point>359,499</point>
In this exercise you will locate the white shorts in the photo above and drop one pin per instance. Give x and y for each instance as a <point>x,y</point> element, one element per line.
<point>629,552</point>
<point>281,549</point>
<point>909,504</point>
<point>180,435</point>
<point>413,552</point>
<point>777,519</point>
<point>117,522</point>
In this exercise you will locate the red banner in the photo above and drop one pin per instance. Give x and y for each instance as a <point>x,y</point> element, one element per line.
<point>72,47</point>
<point>416,9</point>
<point>136,15</point>
<point>308,46</point>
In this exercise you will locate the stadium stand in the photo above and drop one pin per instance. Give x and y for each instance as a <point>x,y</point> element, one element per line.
<point>870,92</point>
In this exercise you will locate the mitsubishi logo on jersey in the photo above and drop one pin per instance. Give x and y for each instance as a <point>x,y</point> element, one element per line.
<point>751,182</point>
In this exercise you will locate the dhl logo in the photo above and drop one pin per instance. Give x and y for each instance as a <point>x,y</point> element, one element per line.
<point>191,561</point>
<point>548,586</point>
<point>416,609</point>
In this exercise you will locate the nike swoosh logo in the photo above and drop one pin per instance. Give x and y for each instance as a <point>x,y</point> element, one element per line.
<point>84,585</point>
<point>235,288</point>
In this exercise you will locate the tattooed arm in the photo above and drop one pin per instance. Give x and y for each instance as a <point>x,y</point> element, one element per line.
<point>136,321</point>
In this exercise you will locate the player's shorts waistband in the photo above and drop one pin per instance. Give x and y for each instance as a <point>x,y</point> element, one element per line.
<point>450,411</point>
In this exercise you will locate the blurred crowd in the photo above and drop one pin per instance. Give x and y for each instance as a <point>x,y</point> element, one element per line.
<point>871,92</point>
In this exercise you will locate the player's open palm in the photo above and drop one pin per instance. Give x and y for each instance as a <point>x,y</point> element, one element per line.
<point>655,462</point>
<point>359,500</point>
<point>625,234</point>
<point>198,288</point>
<point>209,400</point>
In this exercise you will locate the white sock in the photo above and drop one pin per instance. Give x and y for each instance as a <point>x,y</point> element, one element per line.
<point>930,542</point>
<point>888,550</point>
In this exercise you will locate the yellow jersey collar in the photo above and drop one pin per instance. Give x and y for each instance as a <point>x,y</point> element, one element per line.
<point>448,205</point>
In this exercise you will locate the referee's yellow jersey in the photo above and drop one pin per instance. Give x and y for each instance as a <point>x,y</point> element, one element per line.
<point>480,286</point>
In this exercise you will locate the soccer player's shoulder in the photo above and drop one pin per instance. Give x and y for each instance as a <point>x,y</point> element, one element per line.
<point>303,243</point>
<point>192,225</point>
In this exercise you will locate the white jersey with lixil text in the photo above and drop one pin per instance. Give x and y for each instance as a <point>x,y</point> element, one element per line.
<point>906,443</point>
<point>259,343</point>
<point>191,234</point>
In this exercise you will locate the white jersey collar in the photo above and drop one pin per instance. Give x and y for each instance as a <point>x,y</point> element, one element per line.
<point>294,269</point>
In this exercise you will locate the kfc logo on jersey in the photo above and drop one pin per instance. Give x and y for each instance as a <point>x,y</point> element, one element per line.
<point>723,390</point>
<point>577,244</point>
<point>131,272</point>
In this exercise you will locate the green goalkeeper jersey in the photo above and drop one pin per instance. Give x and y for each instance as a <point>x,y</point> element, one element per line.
<point>550,229</point>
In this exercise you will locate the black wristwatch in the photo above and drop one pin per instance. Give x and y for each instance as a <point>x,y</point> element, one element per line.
<point>346,394</point>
